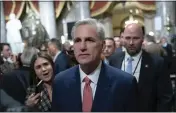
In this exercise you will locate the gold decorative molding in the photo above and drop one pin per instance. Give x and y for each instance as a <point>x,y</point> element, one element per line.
<point>92,4</point>
<point>59,8</point>
<point>33,8</point>
<point>101,10</point>
<point>13,7</point>
<point>12,10</point>
<point>21,9</point>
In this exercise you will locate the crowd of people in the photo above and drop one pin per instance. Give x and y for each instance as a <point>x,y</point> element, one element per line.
<point>125,73</point>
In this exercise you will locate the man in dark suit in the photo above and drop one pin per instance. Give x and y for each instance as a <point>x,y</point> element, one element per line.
<point>150,46</point>
<point>61,60</point>
<point>154,85</point>
<point>109,48</point>
<point>92,86</point>
<point>168,48</point>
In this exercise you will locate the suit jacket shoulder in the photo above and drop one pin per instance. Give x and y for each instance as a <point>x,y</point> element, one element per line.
<point>61,63</point>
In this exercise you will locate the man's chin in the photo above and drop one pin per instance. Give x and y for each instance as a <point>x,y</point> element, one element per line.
<point>132,53</point>
<point>83,62</point>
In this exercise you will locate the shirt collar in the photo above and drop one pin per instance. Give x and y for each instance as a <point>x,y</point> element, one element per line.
<point>93,76</point>
<point>106,60</point>
<point>56,55</point>
<point>136,57</point>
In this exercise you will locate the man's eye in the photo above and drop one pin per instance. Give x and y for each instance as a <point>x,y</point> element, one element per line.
<point>136,37</point>
<point>77,40</point>
<point>90,40</point>
<point>127,37</point>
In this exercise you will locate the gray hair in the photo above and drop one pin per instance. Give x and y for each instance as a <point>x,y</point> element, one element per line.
<point>56,42</point>
<point>27,55</point>
<point>149,38</point>
<point>90,21</point>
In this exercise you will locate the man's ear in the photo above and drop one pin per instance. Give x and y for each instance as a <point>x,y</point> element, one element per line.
<point>103,44</point>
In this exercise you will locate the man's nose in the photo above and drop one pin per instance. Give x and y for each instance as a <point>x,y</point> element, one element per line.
<point>131,41</point>
<point>106,49</point>
<point>83,46</point>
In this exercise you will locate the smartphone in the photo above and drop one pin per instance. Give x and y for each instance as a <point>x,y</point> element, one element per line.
<point>39,87</point>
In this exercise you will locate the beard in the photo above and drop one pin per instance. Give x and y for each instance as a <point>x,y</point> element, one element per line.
<point>133,53</point>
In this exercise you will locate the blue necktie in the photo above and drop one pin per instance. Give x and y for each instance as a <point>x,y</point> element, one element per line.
<point>129,65</point>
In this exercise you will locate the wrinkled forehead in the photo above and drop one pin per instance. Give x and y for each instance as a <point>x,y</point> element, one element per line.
<point>133,32</point>
<point>6,47</point>
<point>85,31</point>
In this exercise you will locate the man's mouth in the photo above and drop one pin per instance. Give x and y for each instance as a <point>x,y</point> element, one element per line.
<point>82,55</point>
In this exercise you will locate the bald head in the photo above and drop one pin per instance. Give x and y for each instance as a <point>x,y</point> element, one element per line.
<point>133,38</point>
<point>134,28</point>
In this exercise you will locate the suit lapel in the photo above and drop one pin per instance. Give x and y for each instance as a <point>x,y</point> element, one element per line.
<point>120,59</point>
<point>145,71</point>
<point>102,91</point>
<point>75,90</point>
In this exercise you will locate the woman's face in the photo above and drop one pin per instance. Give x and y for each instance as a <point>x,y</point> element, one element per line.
<point>43,69</point>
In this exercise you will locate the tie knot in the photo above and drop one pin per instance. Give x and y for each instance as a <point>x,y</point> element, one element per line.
<point>87,80</point>
<point>130,59</point>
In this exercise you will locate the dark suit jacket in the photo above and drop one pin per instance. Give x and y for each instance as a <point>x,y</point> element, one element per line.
<point>15,84</point>
<point>168,58</point>
<point>116,91</point>
<point>61,63</point>
<point>7,102</point>
<point>154,86</point>
<point>155,49</point>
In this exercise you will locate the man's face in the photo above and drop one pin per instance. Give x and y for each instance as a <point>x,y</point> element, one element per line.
<point>163,41</point>
<point>109,48</point>
<point>6,51</point>
<point>117,42</point>
<point>51,49</point>
<point>87,45</point>
<point>133,40</point>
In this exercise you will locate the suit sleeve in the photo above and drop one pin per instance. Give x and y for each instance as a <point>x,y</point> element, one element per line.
<point>61,65</point>
<point>54,105</point>
<point>164,88</point>
<point>6,101</point>
<point>132,94</point>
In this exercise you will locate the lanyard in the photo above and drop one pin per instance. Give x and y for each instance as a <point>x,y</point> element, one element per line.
<point>136,65</point>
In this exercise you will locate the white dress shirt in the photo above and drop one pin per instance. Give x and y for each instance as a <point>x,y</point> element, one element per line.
<point>106,61</point>
<point>56,55</point>
<point>93,77</point>
<point>135,61</point>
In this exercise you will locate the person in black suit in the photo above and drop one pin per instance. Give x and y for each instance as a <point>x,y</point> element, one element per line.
<point>154,85</point>
<point>168,48</point>
<point>61,60</point>
<point>92,86</point>
<point>15,83</point>
<point>109,48</point>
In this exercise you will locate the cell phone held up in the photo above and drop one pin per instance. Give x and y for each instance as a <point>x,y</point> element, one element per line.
<point>39,87</point>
